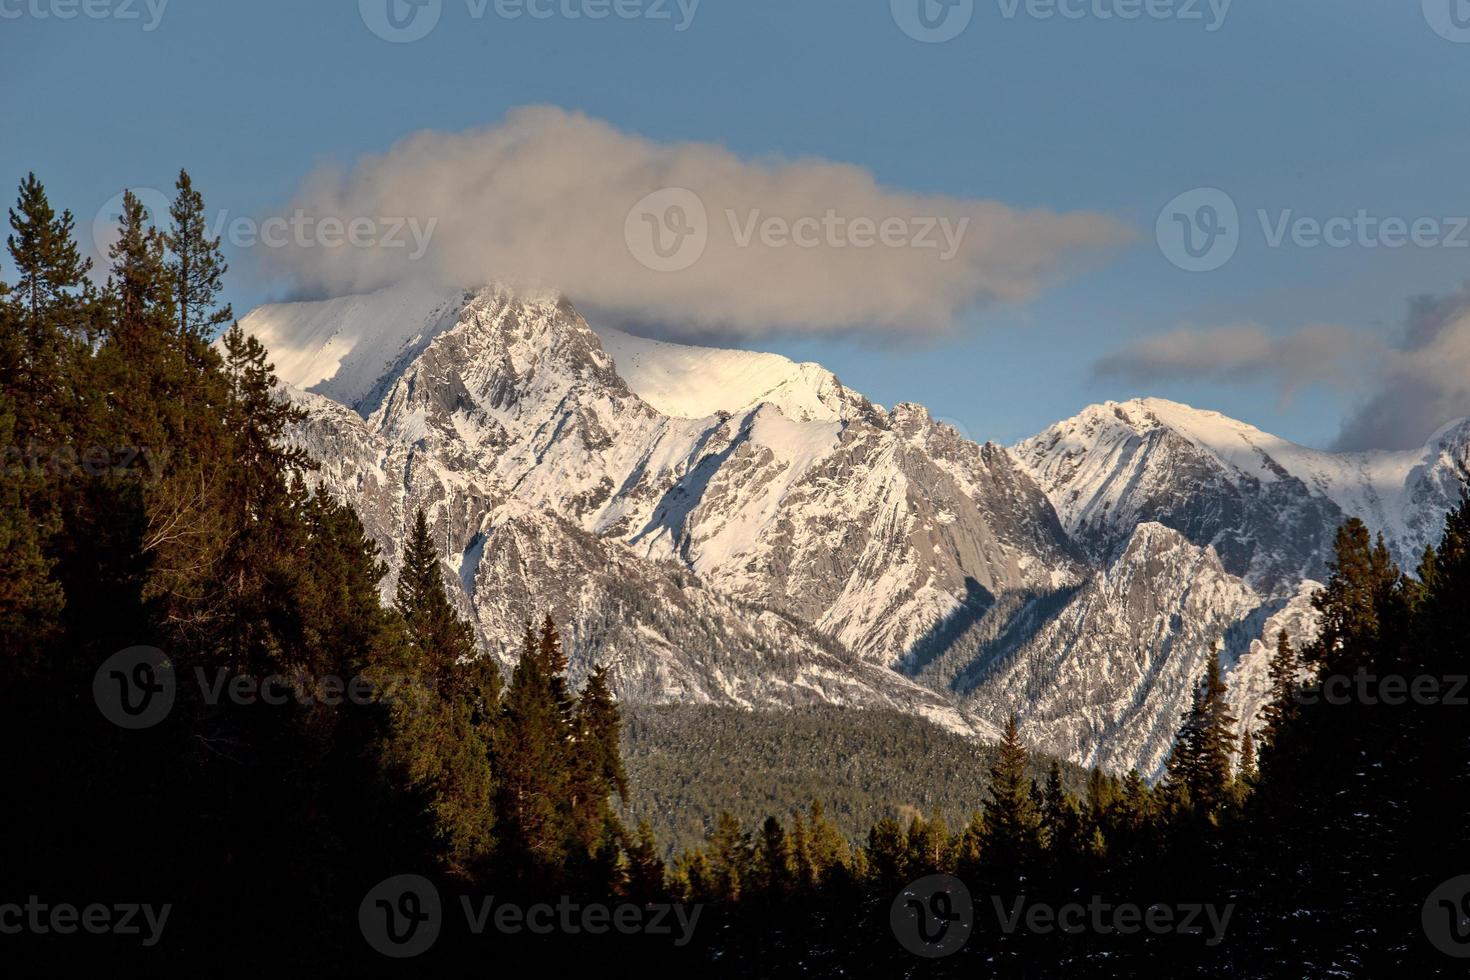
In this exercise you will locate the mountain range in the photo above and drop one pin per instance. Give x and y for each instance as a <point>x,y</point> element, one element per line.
<point>733,528</point>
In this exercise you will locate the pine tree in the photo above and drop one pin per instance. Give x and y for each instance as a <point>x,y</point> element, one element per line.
<point>888,855</point>
<point>1209,740</point>
<point>1359,595</point>
<point>830,852</point>
<point>645,871</point>
<point>929,844</point>
<point>443,642</point>
<point>139,270</point>
<point>1281,706</point>
<point>260,421</point>
<point>553,659</point>
<point>197,266</point>
<point>730,858</point>
<point>773,861</point>
<point>1010,838</point>
<point>532,763</point>
<point>597,769</point>
<point>49,266</point>
<point>1061,821</point>
<point>445,735</point>
<point>1246,773</point>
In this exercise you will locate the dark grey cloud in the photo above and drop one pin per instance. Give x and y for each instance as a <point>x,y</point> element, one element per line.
<point>1421,383</point>
<point>1242,354</point>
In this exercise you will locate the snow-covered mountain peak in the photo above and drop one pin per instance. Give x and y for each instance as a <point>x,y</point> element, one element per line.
<point>351,348</point>
<point>1267,504</point>
<point>697,382</point>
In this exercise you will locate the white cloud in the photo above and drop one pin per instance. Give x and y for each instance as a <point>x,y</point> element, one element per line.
<point>544,199</point>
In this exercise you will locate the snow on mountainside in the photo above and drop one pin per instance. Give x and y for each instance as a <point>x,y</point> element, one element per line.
<point>735,528</point>
<point>1106,679</point>
<point>1267,505</point>
<point>341,348</point>
<point>697,382</point>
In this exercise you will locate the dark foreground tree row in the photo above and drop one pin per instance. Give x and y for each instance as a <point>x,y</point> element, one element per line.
<point>151,501</point>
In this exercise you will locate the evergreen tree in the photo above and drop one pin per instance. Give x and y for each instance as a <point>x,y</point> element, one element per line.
<point>1246,774</point>
<point>1357,600</point>
<point>645,871</point>
<point>730,858</point>
<point>597,769</point>
<point>442,641</point>
<point>774,870</point>
<point>1010,838</point>
<point>531,756</point>
<point>197,265</point>
<point>1281,706</point>
<point>1209,739</point>
<point>49,266</point>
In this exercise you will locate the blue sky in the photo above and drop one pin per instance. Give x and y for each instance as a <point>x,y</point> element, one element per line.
<point>1319,106</point>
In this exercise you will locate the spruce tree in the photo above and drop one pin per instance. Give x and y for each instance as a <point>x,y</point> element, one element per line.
<point>1211,740</point>
<point>196,265</point>
<point>444,643</point>
<point>532,765</point>
<point>1010,838</point>
<point>1285,693</point>
<point>597,769</point>
<point>49,266</point>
